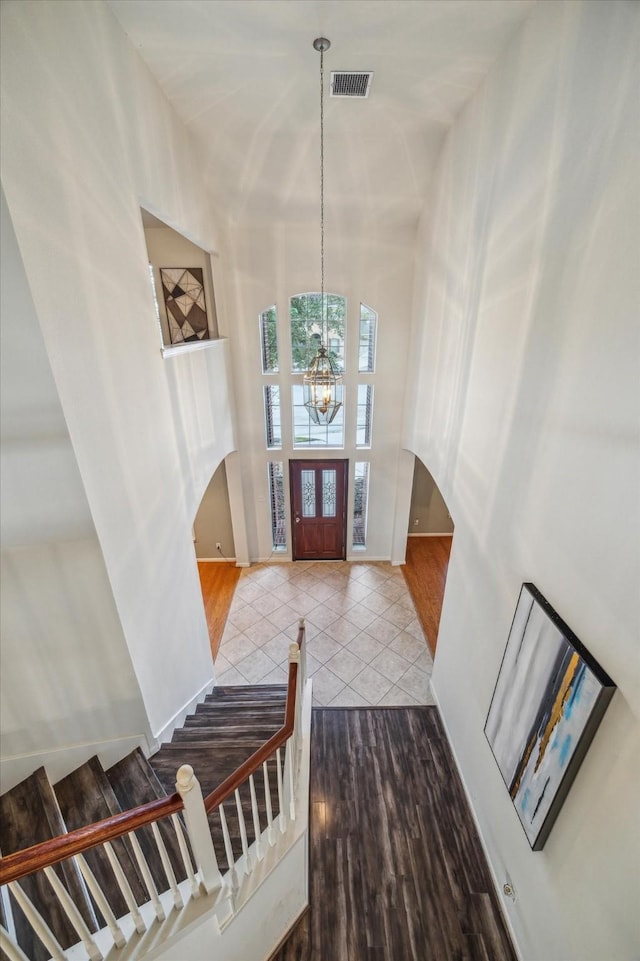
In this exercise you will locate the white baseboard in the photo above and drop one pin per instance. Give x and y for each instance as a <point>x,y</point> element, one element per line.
<point>216,560</point>
<point>164,734</point>
<point>494,877</point>
<point>431,534</point>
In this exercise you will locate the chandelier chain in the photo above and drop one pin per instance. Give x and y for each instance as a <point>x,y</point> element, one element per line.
<point>322,307</point>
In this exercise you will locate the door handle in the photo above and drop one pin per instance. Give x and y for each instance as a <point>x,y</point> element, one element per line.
<point>297,520</point>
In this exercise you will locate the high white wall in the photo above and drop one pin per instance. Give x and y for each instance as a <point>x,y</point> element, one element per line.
<point>271,263</point>
<point>88,138</point>
<point>66,676</point>
<point>526,412</point>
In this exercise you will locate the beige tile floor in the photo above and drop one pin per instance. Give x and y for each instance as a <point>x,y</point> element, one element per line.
<point>365,646</point>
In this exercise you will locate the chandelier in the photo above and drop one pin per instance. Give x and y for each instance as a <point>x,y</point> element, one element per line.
<point>322,383</point>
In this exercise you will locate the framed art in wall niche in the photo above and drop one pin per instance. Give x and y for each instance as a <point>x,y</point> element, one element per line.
<point>549,699</point>
<point>183,290</point>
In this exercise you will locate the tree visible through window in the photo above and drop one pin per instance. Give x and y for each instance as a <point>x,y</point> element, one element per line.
<point>310,327</point>
<point>269,341</point>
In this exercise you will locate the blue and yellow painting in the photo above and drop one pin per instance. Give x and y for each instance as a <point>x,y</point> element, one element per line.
<point>549,690</point>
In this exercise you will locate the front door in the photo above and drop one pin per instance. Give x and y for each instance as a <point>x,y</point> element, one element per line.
<point>319,505</point>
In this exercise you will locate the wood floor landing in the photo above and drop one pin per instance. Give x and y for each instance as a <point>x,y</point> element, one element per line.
<point>218,582</point>
<point>425,572</point>
<point>397,872</point>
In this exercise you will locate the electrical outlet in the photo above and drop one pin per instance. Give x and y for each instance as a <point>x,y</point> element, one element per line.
<point>416,522</point>
<point>508,890</point>
<point>219,546</point>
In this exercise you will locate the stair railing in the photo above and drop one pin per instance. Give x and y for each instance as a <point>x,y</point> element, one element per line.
<point>204,878</point>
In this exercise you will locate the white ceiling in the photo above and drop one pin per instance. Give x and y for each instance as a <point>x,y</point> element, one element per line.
<point>244,77</point>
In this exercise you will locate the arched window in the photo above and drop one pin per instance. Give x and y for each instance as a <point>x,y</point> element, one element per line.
<point>311,326</point>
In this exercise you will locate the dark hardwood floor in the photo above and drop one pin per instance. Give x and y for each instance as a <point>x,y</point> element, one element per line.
<point>397,872</point>
<point>425,572</point>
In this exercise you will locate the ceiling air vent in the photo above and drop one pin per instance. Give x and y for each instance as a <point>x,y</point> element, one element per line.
<point>350,83</point>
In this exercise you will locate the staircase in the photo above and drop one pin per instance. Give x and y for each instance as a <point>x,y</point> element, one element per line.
<point>157,865</point>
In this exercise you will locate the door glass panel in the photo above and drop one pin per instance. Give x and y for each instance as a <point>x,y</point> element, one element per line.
<point>308,486</point>
<point>328,493</point>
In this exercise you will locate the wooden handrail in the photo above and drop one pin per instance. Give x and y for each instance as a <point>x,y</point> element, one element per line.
<point>21,863</point>
<point>253,763</point>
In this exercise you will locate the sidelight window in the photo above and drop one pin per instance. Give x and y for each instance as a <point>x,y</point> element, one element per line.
<point>272,420</point>
<point>364,415</point>
<point>360,504</point>
<point>367,345</point>
<point>276,500</point>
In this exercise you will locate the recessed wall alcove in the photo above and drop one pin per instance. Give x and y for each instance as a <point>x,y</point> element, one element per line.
<point>182,279</point>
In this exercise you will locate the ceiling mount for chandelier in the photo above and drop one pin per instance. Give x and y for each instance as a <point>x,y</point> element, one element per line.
<point>322,383</point>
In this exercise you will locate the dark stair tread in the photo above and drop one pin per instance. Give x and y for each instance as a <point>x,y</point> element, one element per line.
<point>86,796</point>
<point>240,696</point>
<point>235,719</point>
<point>134,782</point>
<point>210,767</point>
<point>247,689</point>
<point>233,708</point>
<point>212,764</point>
<point>30,814</point>
<point>219,735</point>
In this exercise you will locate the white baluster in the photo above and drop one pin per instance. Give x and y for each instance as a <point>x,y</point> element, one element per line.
<point>256,819</point>
<point>10,948</point>
<point>289,774</point>
<point>227,847</point>
<point>149,883</point>
<point>294,658</point>
<point>125,887</point>
<point>100,898</point>
<point>73,914</point>
<point>243,831</point>
<point>282,817</point>
<point>188,787</point>
<point>302,671</point>
<point>267,802</point>
<point>38,923</point>
<point>166,864</point>
<point>186,857</point>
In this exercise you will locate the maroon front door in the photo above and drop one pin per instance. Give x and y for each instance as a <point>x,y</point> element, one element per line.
<point>319,505</point>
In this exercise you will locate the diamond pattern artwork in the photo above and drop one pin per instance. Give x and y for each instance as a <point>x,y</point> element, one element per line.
<point>183,289</point>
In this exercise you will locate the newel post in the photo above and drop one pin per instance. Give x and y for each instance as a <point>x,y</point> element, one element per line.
<point>188,787</point>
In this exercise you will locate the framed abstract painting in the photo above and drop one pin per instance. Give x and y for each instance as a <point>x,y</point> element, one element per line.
<point>183,289</point>
<point>549,699</point>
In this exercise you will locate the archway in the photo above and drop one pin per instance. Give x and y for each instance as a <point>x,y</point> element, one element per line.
<point>429,540</point>
<point>213,543</point>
